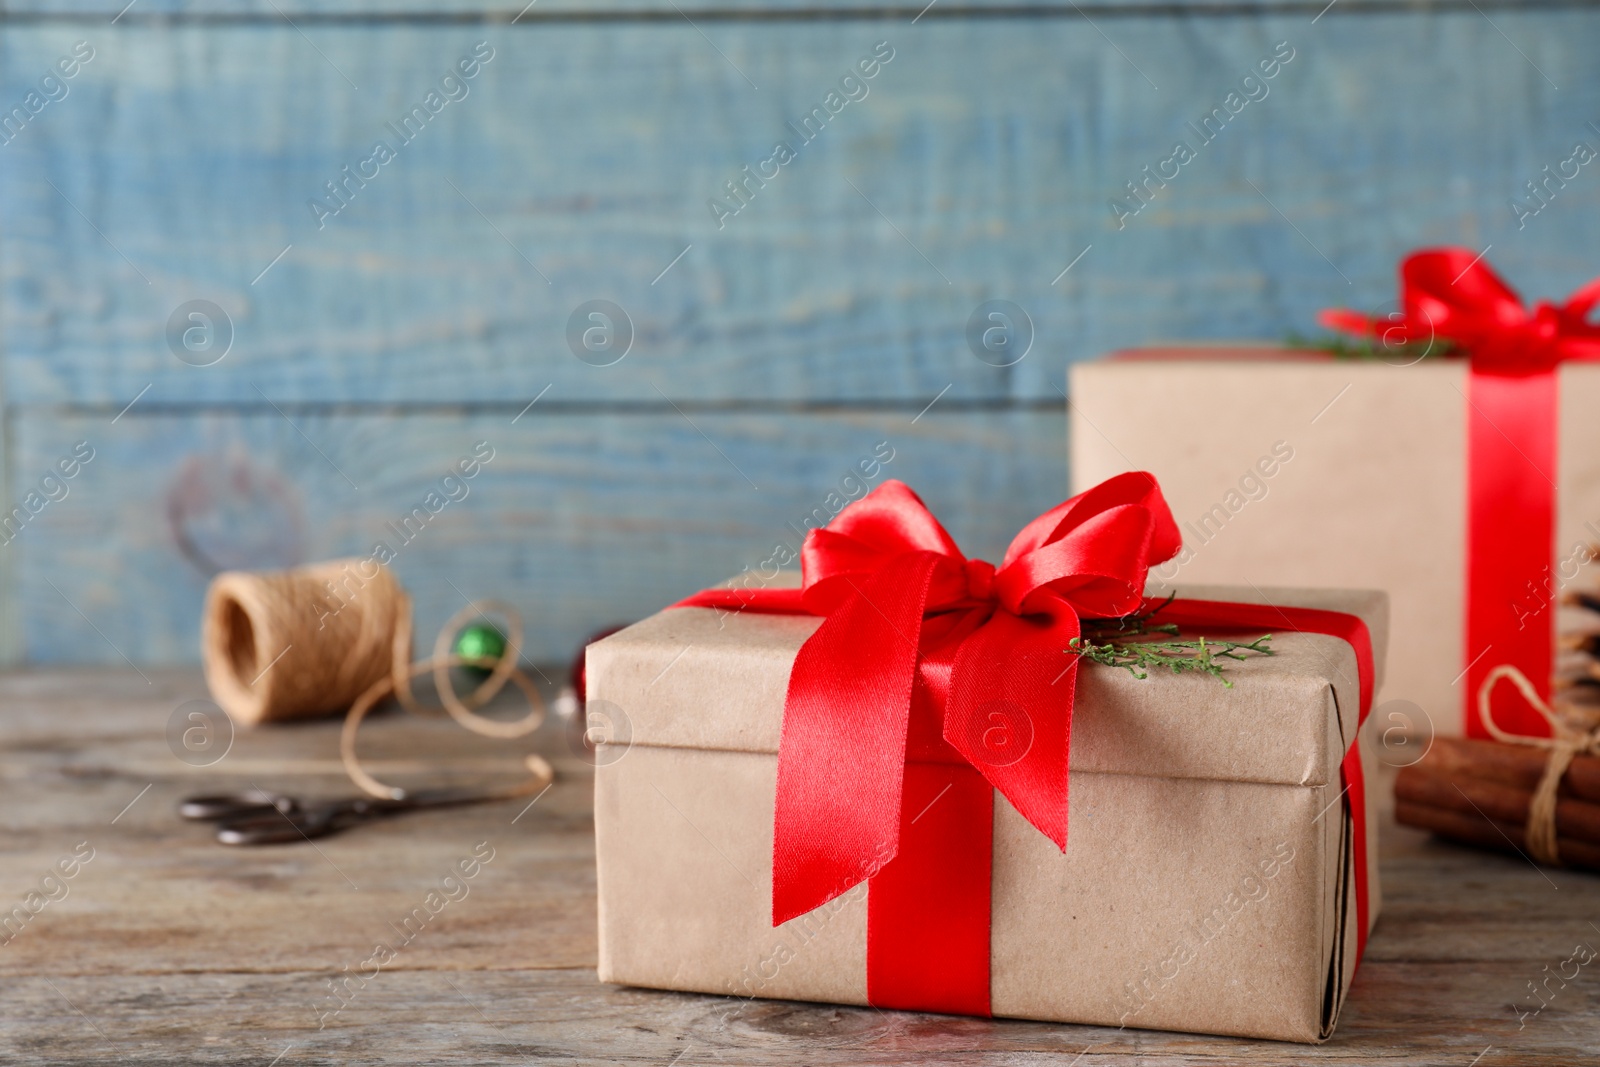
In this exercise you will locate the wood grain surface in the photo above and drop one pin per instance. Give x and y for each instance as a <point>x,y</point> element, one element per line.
<point>980,164</point>
<point>493,11</point>
<point>582,519</point>
<point>170,948</point>
<point>827,313</point>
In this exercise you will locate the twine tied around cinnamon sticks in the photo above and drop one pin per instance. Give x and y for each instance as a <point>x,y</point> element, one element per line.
<point>1570,736</point>
<point>297,643</point>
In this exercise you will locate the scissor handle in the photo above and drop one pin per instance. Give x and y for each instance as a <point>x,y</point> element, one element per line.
<point>276,829</point>
<point>227,806</point>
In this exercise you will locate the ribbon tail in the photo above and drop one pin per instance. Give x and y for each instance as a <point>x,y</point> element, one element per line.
<point>1350,322</point>
<point>1355,791</point>
<point>1010,711</point>
<point>841,761</point>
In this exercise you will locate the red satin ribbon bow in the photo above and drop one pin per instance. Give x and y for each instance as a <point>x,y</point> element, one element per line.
<point>879,572</point>
<point>935,680</point>
<point>1449,294</point>
<point>1512,405</point>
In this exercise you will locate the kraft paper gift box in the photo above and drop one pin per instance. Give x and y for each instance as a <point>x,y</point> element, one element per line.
<point>1288,467</point>
<point>1207,883</point>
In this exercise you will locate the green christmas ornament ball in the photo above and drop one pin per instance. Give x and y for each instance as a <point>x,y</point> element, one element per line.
<point>480,641</point>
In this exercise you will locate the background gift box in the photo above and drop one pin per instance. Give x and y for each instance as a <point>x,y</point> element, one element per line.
<point>1291,466</point>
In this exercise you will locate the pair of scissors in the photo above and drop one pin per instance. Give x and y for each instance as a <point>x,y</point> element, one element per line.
<point>257,817</point>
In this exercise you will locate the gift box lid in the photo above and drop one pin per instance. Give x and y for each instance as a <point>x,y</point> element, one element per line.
<point>703,678</point>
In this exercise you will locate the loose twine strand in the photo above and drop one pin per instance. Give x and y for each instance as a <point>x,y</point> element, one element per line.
<point>294,644</point>
<point>1570,736</point>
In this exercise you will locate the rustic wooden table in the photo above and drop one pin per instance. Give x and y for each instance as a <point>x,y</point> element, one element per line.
<point>167,947</point>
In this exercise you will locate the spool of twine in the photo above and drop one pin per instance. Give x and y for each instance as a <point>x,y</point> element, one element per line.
<point>304,642</point>
<point>327,639</point>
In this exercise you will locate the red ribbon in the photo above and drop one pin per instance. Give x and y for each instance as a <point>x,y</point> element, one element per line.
<point>1512,403</point>
<point>934,680</point>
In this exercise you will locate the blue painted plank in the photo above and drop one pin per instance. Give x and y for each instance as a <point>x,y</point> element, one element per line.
<point>580,521</point>
<point>312,11</point>
<point>982,163</point>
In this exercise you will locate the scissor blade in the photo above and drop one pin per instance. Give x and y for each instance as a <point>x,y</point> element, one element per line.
<point>262,832</point>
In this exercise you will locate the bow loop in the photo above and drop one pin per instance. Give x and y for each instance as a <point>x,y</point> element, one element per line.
<point>1580,303</point>
<point>1458,294</point>
<point>889,522</point>
<point>1136,488</point>
<point>1093,551</point>
<point>892,518</point>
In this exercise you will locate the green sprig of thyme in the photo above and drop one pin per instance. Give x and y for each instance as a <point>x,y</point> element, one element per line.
<point>1131,642</point>
<point>1138,658</point>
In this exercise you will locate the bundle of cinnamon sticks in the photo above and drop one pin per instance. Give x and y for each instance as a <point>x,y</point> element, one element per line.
<point>1479,792</point>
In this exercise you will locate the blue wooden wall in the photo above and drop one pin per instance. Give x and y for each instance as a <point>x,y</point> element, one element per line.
<point>772,349</point>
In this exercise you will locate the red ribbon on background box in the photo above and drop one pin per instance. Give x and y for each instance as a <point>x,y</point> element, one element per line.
<point>934,680</point>
<point>1512,406</point>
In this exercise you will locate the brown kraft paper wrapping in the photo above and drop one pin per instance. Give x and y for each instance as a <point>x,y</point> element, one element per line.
<point>1206,882</point>
<point>1374,495</point>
